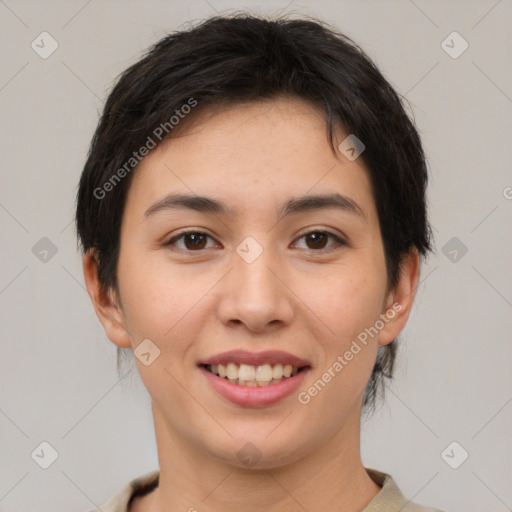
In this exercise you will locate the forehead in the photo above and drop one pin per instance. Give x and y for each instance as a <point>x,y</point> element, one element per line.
<point>252,157</point>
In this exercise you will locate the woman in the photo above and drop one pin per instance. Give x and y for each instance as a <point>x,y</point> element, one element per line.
<point>252,217</point>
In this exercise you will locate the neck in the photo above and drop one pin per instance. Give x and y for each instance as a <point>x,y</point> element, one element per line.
<point>191,479</point>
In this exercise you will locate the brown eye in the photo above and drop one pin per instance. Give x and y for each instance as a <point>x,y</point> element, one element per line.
<point>190,241</point>
<point>195,241</point>
<point>318,240</point>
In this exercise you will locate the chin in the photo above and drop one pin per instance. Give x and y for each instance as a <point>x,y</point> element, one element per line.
<point>258,452</point>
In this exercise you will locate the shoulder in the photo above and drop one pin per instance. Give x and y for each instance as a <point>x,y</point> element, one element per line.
<point>138,486</point>
<point>390,498</point>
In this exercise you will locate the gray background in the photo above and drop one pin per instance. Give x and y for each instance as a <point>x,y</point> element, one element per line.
<point>57,369</point>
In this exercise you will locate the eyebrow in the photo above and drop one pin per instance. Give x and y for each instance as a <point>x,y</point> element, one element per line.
<point>204,204</point>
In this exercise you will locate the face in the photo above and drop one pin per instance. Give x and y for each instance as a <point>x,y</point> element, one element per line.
<point>257,281</point>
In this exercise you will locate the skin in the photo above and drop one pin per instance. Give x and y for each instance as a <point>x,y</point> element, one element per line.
<point>296,297</point>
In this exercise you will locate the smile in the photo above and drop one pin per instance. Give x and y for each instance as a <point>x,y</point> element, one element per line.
<point>254,379</point>
<point>253,376</point>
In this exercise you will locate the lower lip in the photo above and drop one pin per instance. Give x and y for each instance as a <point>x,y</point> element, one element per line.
<point>252,396</point>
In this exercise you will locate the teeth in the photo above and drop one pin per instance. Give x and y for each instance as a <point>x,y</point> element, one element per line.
<point>250,383</point>
<point>264,373</point>
<point>246,372</point>
<point>252,376</point>
<point>232,371</point>
<point>277,371</point>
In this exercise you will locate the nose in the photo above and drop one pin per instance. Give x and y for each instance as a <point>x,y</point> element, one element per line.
<point>255,295</point>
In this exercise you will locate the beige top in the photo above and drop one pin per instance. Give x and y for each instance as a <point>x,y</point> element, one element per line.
<point>389,498</point>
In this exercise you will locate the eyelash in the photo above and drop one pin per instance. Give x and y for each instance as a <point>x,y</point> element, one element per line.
<point>339,241</point>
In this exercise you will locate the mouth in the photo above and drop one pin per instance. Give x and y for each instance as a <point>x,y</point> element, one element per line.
<point>252,375</point>
<point>250,379</point>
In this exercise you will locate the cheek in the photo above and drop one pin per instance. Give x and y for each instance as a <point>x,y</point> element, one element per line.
<point>157,299</point>
<point>162,304</point>
<point>347,305</point>
<point>349,302</point>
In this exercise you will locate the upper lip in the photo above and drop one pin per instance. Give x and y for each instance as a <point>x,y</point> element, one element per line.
<point>256,358</point>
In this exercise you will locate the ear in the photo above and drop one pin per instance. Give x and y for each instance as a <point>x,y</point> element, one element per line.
<point>106,303</point>
<point>400,299</point>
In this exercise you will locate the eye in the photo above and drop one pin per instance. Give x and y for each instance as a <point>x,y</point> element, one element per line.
<point>318,239</point>
<point>192,240</point>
